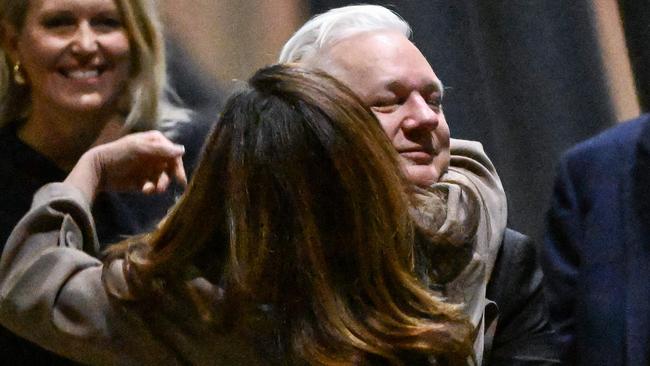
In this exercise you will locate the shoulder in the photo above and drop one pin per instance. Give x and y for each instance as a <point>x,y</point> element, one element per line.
<point>516,263</point>
<point>613,143</point>
<point>598,165</point>
<point>516,272</point>
<point>517,275</point>
<point>523,333</point>
<point>9,142</point>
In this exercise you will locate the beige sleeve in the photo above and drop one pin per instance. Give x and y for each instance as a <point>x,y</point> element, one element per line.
<point>51,290</point>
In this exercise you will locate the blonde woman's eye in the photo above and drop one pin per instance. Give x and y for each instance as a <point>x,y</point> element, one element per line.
<point>58,21</point>
<point>108,23</point>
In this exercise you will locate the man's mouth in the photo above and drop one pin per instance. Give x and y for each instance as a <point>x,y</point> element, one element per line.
<point>420,156</point>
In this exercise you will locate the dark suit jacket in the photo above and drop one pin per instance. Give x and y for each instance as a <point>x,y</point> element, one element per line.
<point>596,255</point>
<point>523,334</point>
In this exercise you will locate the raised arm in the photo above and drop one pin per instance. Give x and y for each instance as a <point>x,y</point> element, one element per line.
<point>144,161</point>
<point>51,287</point>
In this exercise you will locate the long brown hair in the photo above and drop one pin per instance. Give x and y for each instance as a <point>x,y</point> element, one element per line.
<point>298,202</point>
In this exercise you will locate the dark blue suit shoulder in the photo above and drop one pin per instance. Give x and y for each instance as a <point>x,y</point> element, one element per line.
<point>603,159</point>
<point>618,140</point>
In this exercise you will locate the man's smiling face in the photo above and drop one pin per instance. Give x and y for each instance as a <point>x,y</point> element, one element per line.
<point>393,78</point>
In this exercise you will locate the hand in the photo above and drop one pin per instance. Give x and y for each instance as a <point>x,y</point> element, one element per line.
<point>143,161</point>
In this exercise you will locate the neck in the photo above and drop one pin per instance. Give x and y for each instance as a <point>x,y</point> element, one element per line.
<point>64,137</point>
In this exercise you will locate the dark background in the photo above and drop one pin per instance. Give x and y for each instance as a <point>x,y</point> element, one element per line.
<point>526,79</point>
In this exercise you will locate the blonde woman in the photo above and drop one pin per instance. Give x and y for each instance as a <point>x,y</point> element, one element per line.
<point>74,74</point>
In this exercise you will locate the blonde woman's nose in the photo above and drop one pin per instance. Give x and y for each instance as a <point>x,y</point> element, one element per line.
<point>85,40</point>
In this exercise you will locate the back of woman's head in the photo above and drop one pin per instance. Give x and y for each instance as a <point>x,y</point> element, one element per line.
<point>145,103</point>
<point>298,202</point>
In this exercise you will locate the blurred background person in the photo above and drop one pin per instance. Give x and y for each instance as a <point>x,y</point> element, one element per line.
<point>304,254</point>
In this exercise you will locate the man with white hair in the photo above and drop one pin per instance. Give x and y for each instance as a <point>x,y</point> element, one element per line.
<point>494,271</point>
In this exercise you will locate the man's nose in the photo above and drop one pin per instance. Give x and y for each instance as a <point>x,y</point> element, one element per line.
<point>419,114</point>
<point>85,40</point>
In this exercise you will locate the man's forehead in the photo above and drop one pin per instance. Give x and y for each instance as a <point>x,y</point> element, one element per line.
<point>367,47</point>
<point>380,60</point>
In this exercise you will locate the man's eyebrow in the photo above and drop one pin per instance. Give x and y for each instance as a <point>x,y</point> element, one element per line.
<point>434,87</point>
<point>429,85</point>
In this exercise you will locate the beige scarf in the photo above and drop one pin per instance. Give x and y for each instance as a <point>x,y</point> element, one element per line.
<point>463,217</point>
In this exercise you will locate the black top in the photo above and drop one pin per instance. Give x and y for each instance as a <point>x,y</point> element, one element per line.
<point>117,215</point>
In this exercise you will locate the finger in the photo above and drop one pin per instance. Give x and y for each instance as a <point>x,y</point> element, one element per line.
<point>153,135</point>
<point>178,171</point>
<point>148,187</point>
<point>163,183</point>
<point>163,147</point>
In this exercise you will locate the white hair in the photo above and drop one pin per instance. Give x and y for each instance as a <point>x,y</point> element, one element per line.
<point>324,29</point>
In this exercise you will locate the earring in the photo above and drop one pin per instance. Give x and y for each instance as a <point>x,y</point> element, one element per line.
<point>19,78</point>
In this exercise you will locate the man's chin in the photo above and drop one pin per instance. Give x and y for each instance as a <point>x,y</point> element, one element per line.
<point>422,175</point>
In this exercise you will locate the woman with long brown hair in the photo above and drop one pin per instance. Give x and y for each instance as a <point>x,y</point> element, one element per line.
<point>293,244</point>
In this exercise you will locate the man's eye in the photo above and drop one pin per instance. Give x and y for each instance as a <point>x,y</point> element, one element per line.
<point>435,102</point>
<point>384,107</point>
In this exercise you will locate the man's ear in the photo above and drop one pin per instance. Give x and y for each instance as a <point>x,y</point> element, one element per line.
<point>9,40</point>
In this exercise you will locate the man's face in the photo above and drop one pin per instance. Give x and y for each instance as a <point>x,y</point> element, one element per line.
<point>394,79</point>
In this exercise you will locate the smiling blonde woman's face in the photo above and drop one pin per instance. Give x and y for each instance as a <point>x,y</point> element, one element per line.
<point>75,54</point>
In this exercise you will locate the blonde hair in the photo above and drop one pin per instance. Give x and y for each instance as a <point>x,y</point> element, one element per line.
<point>148,105</point>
